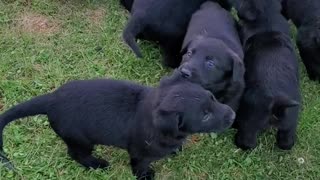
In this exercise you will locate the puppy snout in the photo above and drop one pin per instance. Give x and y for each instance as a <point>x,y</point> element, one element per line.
<point>229,117</point>
<point>185,72</point>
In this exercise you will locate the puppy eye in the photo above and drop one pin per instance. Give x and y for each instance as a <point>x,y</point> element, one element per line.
<point>206,116</point>
<point>189,53</point>
<point>213,98</point>
<point>210,63</point>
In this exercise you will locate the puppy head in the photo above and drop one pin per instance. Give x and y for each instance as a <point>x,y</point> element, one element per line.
<point>251,10</point>
<point>209,62</point>
<point>187,108</point>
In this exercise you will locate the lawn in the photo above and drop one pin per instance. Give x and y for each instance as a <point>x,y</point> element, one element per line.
<point>49,42</point>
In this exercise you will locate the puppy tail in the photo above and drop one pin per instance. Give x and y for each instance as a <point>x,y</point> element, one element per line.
<point>133,28</point>
<point>35,106</point>
<point>281,103</point>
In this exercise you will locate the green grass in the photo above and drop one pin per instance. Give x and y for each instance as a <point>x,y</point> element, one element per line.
<point>82,47</point>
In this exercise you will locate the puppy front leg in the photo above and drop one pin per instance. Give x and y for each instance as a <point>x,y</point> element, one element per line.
<point>246,140</point>
<point>286,134</point>
<point>171,56</point>
<point>250,123</point>
<point>141,168</point>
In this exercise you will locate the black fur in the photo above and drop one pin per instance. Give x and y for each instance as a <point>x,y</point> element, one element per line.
<point>306,16</point>
<point>162,21</point>
<point>272,90</point>
<point>127,4</point>
<point>213,55</point>
<point>149,123</point>
<point>272,81</point>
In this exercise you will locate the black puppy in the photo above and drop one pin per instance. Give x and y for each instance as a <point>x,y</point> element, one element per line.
<point>272,90</point>
<point>272,82</point>
<point>213,54</point>
<point>306,16</point>
<point>149,123</point>
<point>164,21</point>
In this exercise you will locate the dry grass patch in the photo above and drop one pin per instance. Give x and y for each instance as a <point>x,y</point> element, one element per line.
<point>96,16</point>
<point>36,23</point>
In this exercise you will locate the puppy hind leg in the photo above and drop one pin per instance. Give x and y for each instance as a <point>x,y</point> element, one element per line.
<point>176,151</point>
<point>141,168</point>
<point>171,55</point>
<point>286,134</point>
<point>249,123</point>
<point>83,155</point>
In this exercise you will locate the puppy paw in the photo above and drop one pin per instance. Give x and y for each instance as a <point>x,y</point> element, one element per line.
<point>176,151</point>
<point>146,175</point>
<point>285,141</point>
<point>245,143</point>
<point>285,146</point>
<point>98,163</point>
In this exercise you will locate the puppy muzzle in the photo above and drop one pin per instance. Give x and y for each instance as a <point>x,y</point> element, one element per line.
<point>186,73</point>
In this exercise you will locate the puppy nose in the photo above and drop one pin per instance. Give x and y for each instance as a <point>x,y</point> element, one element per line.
<point>185,72</point>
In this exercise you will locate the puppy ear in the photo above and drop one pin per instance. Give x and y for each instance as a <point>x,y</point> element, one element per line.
<point>185,47</point>
<point>168,122</point>
<point>238,67</point>
<point>193,39</point>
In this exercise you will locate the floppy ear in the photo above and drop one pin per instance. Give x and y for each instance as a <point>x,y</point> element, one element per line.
<point>238,67</point>
<point>282,102</point>
<point>194,39</point>
<point>168,122</point>
<point>184,48</point>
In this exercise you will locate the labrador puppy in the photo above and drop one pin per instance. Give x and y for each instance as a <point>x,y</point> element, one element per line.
<point>213,55</point>
<point>272,92</point>
<point>149,123</point>
<point>162,21</point>
<point>306,16</point>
